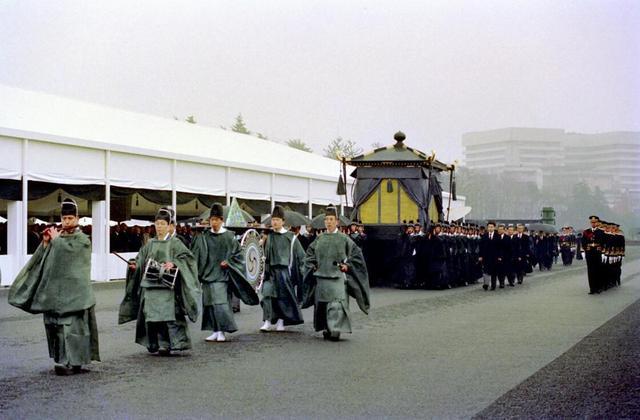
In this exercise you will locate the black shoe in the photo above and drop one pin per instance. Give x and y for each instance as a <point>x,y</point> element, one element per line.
<point>79,369</point>
<point>164,352</point>
<point>485,286</point>
<point>512,285</point>
<point>334,337</point>
<point>502,286</point>
<point>326,335</point>
<point>493,287</point>
<point>62,370</point>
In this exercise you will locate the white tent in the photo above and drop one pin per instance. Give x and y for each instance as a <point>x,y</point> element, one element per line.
<point>59,140</point>
<point>152,152</point>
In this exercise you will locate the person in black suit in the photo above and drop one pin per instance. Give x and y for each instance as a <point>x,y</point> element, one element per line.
<point>502,261</point>
<point>510,252</point>
<point>522,250</point>
<point>489,254</point>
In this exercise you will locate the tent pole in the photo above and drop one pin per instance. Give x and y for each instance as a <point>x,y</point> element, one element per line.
<point>174,193</point>
<point>227,175</point>
<point>107,213</point>
<point>271,184</point>
<point>25,201</point>
<point>310,209</point>
<point>450,191</point>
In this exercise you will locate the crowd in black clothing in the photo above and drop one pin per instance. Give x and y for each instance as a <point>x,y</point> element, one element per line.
<point>453,255</point>
<point>131,238</point>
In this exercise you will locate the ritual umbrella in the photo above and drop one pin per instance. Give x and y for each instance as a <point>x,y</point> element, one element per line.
<point>291,218</point>
<point>247,217</point>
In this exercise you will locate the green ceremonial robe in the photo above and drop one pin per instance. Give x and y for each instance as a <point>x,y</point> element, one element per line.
<point>57,283</point>
<point>284,260</point>
<point>327,288</point>
<point>218,284</point>
<point>160,311</point>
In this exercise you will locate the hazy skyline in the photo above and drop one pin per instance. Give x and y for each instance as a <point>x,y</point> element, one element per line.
<point>360,69</point>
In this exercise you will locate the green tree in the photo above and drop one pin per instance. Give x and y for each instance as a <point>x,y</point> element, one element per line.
<point>299,144</point>
<point>376,145</point>
<point>239,126</point>
<point>261,136</point>
<point>191,119</point>
<point>342,147</point>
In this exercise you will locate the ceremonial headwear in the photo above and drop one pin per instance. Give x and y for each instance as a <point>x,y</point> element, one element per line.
<point>164,214</point>
<point>278,211</point>
<point>331,211</point>
<point>173,215</point>
<point>69,208</point>
<point>216,211</point>
<point>594,218</point>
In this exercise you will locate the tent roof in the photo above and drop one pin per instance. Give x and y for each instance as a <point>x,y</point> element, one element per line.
<point>398,154</point>
<point>55,119</point>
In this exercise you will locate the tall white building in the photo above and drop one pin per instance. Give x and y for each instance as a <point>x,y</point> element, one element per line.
<point>521,153</point>
<point>609,161</point>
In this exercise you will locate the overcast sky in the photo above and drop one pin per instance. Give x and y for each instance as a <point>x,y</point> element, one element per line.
<point>357,69</point>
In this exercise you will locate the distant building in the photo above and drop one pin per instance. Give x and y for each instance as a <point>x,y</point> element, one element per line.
<point>556,158</point>
<point>521,153</point>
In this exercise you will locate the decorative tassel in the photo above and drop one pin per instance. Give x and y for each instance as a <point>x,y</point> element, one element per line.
<point>389,186</point>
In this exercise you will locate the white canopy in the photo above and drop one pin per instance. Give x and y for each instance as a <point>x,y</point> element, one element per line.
<point>87,221</point>
<point>137,222</point>
<point>152,152</point>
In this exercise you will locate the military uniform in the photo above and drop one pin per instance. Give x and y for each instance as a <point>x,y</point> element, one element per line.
<point>592,242</point>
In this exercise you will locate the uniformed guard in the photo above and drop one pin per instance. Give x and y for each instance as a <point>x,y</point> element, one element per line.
<point>566,241</point>
<point>592,243</point>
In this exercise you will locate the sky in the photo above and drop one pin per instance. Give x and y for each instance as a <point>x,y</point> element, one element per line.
<point>316,70</point>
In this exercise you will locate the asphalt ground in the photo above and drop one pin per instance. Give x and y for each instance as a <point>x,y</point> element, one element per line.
<point>419,354</point>
<point>597,378</point>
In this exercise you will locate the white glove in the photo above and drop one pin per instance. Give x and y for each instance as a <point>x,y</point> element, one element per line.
<point>603,258</point>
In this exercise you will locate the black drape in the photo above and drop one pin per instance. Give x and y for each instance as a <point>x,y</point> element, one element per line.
<point>363,190</point>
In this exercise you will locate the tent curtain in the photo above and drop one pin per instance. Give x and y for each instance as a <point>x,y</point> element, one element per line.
<point>418,191</point>
<point>435,189</point>
<point>162,196</point>
<point>10,189</point>
<point>363,190</point>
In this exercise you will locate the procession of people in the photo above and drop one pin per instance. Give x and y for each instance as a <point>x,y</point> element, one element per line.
<point>323,269</point>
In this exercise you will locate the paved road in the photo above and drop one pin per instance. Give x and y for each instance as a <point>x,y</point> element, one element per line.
<point>419,354</point>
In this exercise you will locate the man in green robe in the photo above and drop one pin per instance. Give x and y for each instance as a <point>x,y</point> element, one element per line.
<point>221,271</point>
<point>57,283</point>
<point>284,259</point>
<point>161,290</point>
<point>334,269</point>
